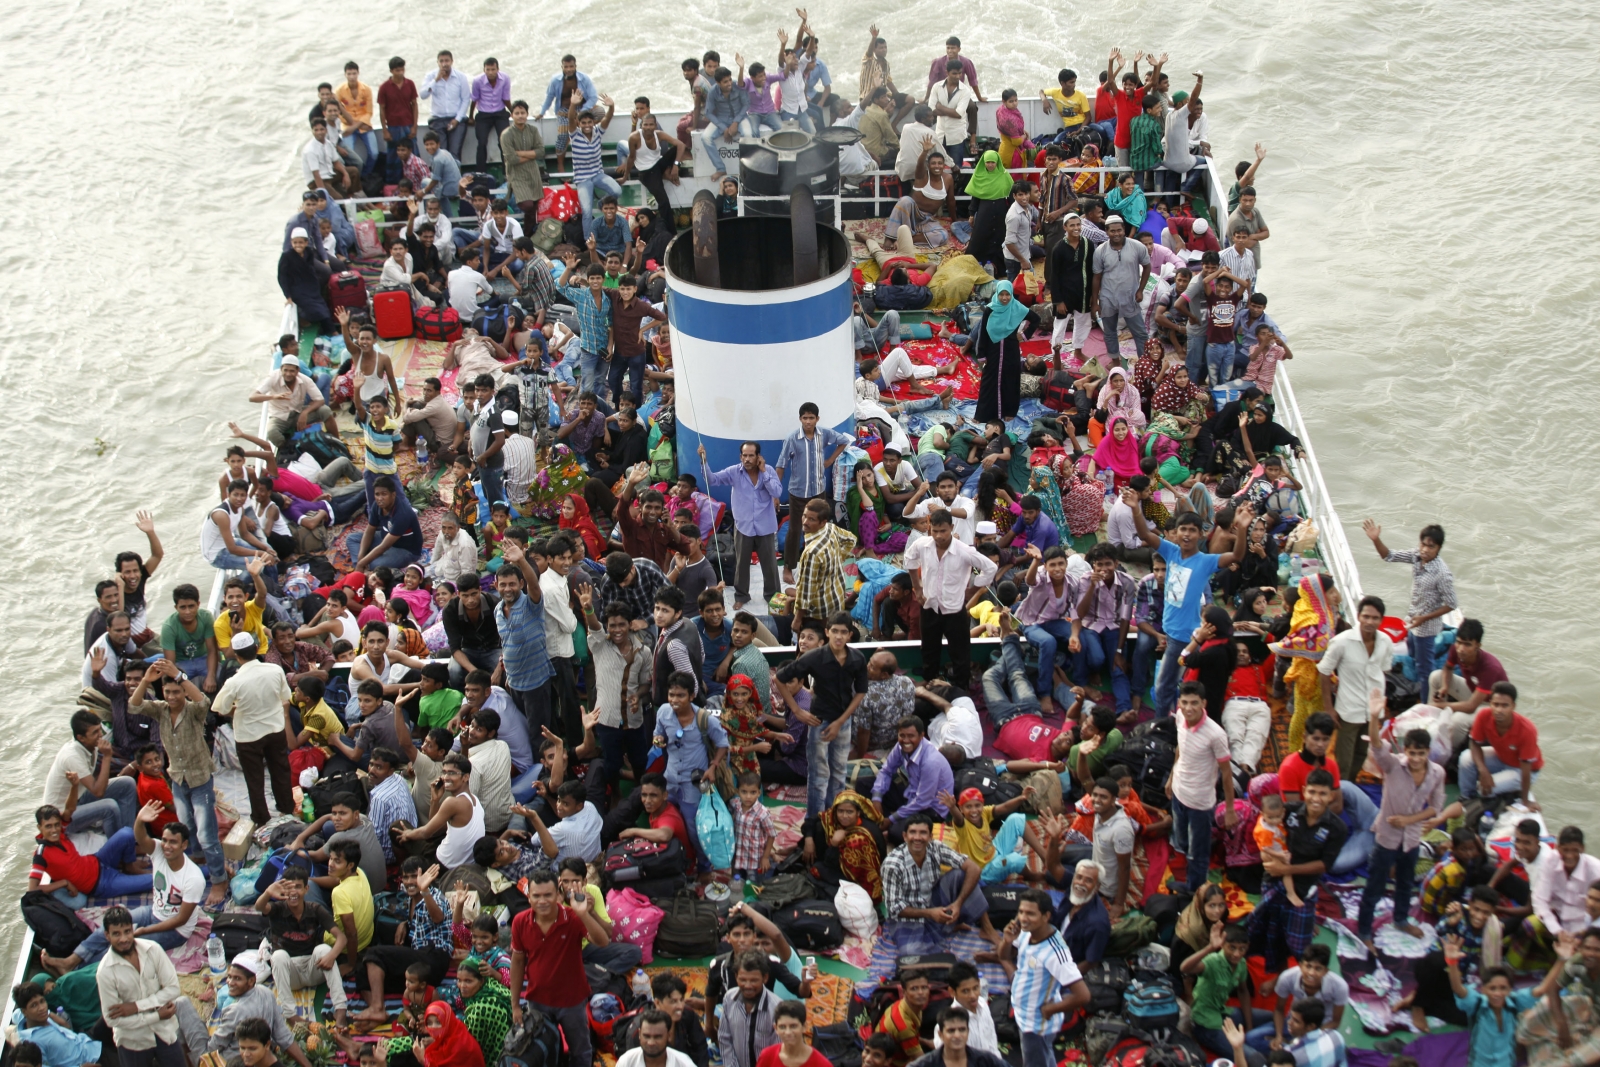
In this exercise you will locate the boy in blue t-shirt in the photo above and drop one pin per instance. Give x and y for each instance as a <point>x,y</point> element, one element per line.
<point>1188,586</point>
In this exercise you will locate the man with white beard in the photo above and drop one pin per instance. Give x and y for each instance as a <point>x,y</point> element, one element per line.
<point>1081,915</point>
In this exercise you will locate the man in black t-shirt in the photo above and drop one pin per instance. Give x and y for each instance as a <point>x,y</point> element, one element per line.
<point>297,931</point>
<point>1278,928</point>
<point>838,685</point>
<point>746,929</point>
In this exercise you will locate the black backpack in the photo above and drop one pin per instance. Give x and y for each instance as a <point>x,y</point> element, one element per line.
<point>492,320</point>
<point>56,927</point>
<point>1106,981</point>
<point>1150,758</point>
<point>638,860</point>
<point>324,790</point>
<point>240,931</point>
<point>839,1044</point>
<point>536,1043</point>
<point>1003,902</point>
<point>689,928</point>
<point>808,924</point>
<point>980,774</point>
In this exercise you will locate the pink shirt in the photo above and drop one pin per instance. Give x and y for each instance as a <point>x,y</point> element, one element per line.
<point>1041,603</point>
<point>1263,366</point>
<point>1194,775</point>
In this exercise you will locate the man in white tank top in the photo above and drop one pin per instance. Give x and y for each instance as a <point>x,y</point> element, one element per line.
<point>454,812</point>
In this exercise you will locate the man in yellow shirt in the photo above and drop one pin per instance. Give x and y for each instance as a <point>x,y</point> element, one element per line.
<point>352,901</point>
<point>1067,101</point>
<point>356,98</point>
<point>241,611</point>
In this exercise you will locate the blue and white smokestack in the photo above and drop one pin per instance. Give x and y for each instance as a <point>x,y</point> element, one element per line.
<point>750,347</point>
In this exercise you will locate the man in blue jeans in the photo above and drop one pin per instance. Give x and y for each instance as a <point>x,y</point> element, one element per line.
<point>838,685</point>
<point>1188,585</point>
<point>74,877</point>
<point>1102,605</point>
<point>1193,303</point>
<point>1203,757</point>
<point>1046,614</point>
<point>1433,591</point>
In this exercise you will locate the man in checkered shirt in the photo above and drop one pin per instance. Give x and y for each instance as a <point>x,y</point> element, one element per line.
<point>753,835</point>
<point>926,881</point>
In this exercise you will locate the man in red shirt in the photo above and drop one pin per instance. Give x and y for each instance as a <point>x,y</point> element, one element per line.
<point>666,822</point>
<point>397,106</point>
<point>1020,732</point>
<point>1130,102</point>
<point>1514,760</point>
<point>58,864</point>
<point>1312,756</point>
<point>547,959</point>
<point>647,534</point>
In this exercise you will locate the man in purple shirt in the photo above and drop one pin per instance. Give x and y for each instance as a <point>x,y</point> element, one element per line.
<point>1102,606</point>
<point>491,99</point>
<point>1036,528</point>
<point>927,772</point>
<point>754,491</point>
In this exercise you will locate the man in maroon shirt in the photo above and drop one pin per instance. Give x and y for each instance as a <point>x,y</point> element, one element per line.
<point>628,311</point>
<point>1463,685</point>
<point>647,534</point>
<point>547,959</point>
<point>397,106</point>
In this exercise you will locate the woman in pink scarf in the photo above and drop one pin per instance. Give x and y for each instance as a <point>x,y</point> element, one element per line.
<point>1121,400</point>
<point>1117,452</point>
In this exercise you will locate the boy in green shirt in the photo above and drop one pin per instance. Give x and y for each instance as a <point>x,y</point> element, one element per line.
<point>1221,973</point>
<point>439,703</point>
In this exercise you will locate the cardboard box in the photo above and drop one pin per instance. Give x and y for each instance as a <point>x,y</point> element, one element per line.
<point>237,844</point>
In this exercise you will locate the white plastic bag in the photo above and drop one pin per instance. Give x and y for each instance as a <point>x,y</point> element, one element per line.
<point>855,909</point>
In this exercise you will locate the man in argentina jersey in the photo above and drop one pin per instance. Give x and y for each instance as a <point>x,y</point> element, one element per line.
<point>1045,985</point>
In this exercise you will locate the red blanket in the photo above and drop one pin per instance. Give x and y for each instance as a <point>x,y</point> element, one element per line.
<point>937,353</point>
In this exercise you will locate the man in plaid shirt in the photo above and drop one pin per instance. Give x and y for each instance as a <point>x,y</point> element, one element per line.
<point>918,888</point>
<point>753,835</point>
<point>1150,640</point>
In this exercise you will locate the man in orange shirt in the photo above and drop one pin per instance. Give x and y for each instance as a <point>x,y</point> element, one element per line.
<point>356,99</point>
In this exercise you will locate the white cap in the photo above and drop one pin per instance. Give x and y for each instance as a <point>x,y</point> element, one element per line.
<point>510,418</point>
<point>1116,219</point>
<point>289,361</point>
<point>243,640</point>
<point>986,527</point>
<point>299,231</point>
<point>1201,226</point>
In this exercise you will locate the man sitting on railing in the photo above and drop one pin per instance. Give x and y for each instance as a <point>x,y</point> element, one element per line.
<point>445,172</point>
<point>320,164</point>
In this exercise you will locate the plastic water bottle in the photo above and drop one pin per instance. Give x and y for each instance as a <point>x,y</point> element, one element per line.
<point>640,984</point>
<point>1283,568</point>
<point>422,451</point>
<point>216,959</point>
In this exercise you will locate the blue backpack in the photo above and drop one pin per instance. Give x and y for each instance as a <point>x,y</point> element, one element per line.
<point>1150,1006</point>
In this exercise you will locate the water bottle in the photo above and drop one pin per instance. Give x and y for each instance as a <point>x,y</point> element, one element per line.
<point>1283,568</point>
<point>640,985</point>
<point>422,451</point>
<point>736,889</point>
<point>216,959</point>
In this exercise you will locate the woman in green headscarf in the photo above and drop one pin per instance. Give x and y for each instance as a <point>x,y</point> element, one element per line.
<point>1000,387</point>
<point>869,515</point>
<point>990,189</point>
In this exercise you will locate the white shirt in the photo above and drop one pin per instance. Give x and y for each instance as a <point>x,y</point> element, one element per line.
<point>172,889</point>
<point>1360,675</point>
<point>442,229</point>
<point>450,98</point>
<point>792,90</point>
<point>1241,265</point>
<point>958,726</point>
<point>1120,527</point>
<point>109,671</point>
<point>578,835</point>
<point>914,136</point>
<point>317,158</point>
<point>1043,969</point>
<point>153,985</point>
<point>966,526</point>
<point>254,696</point>
<point>952,131</point>
<point>905,476</point>
<point>72,756</point>
<point>465,285</point>
<point>454,560</point>
<point>502,238</point>
<point>1558,898</point>
<point>559,620</point>
<point>398,275</point>
<point>945,578</point>
<point>491,782</point>
<point>980,1030</point>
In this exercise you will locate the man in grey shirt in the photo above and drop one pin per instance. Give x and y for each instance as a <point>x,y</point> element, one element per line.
<point>250,1001</point>
<point>1121,269</point>
<point>1195,306</point>
<point>1245,217</point>
<point>1019,231</point>
<point>1114,833</point>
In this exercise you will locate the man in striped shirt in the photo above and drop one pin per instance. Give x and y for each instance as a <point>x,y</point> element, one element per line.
<point>1045,984</point>
<point>587,172</point>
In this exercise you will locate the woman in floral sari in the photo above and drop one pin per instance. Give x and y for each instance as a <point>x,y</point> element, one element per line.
<point>847,839</point>
<point>869,516</point>
<point>1147,369</point>
<point>1044,484</point>
<point>1310,629</point>
<point>743,720</point>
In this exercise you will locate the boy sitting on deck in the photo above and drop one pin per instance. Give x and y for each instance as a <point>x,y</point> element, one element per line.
<point>970,830</point>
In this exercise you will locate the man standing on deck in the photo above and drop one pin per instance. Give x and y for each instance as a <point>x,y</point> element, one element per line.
<point>1121,269</point>
<point>808,455</point>
<point>1245,217</point>
<point>524,662</point>
<point>1433,587</point>
<point>450,93</point>
<point>754,499</point>
<point>1188,584</point>
<point>254,699</point>
<point>941,568</point>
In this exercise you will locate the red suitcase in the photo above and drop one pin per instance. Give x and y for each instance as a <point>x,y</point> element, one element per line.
<point>347,290</point>
<point>391,313</point>
<point>434,324</point>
